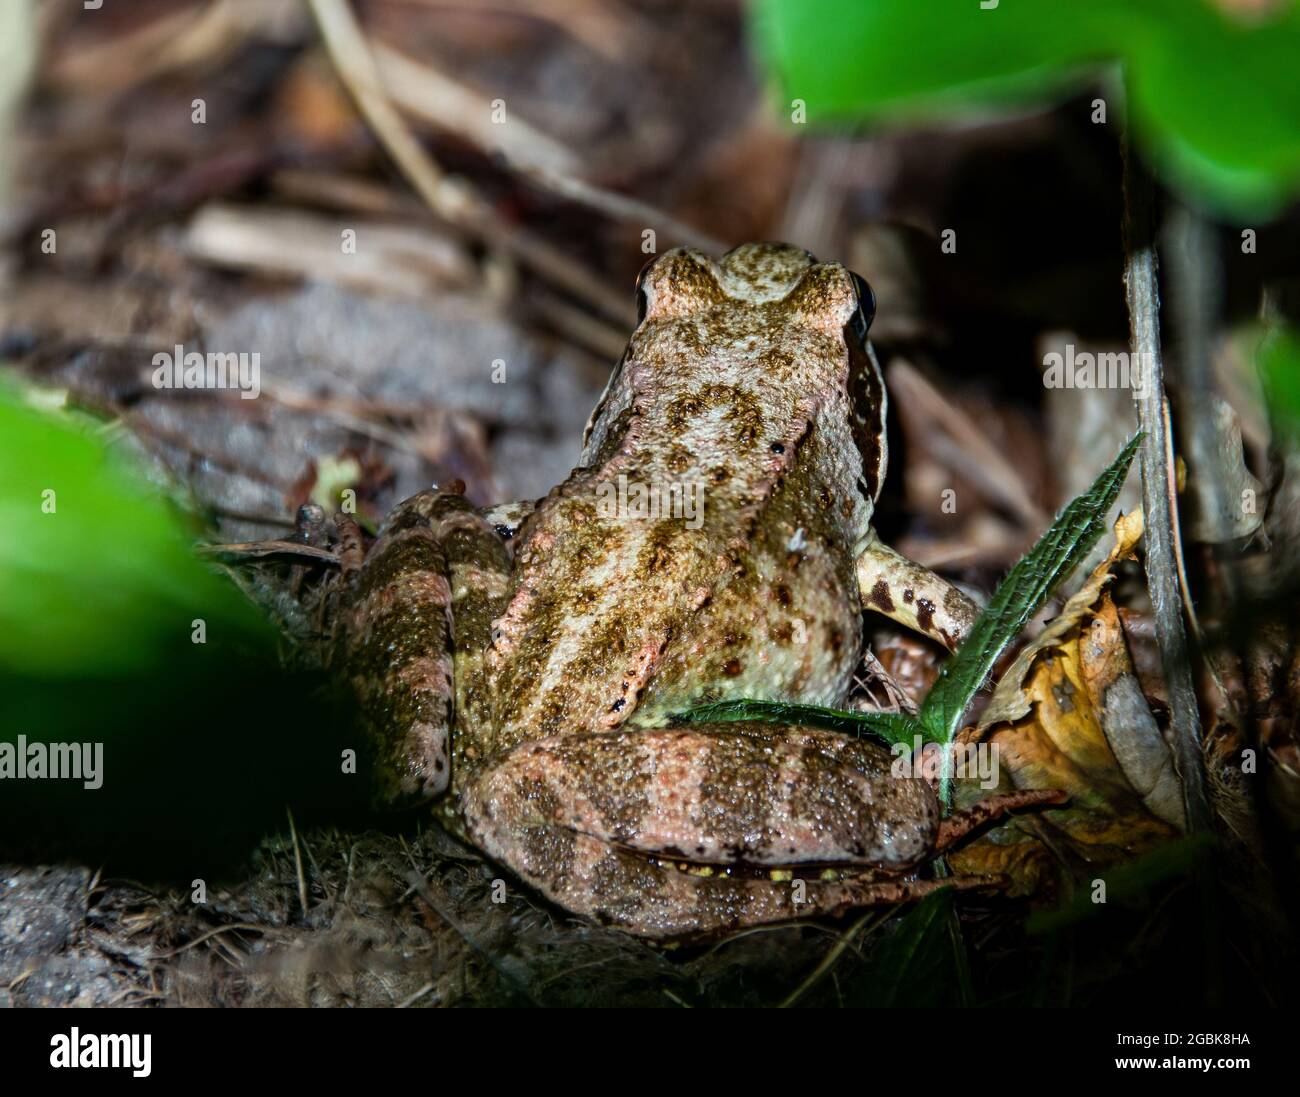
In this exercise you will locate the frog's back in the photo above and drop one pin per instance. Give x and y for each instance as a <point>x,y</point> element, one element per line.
<point>704,547</point>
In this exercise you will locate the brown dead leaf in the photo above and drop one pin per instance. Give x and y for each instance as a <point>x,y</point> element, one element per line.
<point>1062,745</point>
<point>1010,702</point>
<point>1131,731</point>
<point>1055,720</point>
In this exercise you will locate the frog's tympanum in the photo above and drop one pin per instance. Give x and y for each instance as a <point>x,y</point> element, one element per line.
<point>522,664</point>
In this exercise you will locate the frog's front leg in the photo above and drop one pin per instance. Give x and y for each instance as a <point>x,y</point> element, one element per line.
<point>913,595</point>
<point>596,821</point>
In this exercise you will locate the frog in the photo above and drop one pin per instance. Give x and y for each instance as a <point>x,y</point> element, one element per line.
<point>522,668</point>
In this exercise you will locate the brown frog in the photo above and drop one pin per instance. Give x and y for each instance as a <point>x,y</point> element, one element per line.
<point>524,663</point>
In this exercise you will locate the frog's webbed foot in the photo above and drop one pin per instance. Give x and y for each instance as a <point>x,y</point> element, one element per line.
<point>913,595</point>
<point>600,823</point>
<point>434,562</point>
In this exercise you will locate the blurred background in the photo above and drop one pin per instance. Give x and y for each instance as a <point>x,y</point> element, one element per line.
<point>426,218</point>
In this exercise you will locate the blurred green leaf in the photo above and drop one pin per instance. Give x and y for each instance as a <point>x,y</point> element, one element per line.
<point>1127,884</point>
<point>202,744</point>
<point>1278,356</point>
<point>97,574</point>
<point>1213,96</point>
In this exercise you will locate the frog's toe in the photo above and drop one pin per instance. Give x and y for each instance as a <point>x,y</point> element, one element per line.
<point>914,596</point>
<point>414,768</point>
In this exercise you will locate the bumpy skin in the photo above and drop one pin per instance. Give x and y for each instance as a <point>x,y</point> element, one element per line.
<point>526,667</point>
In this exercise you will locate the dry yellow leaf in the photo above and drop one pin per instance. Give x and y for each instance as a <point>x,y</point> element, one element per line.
<point>1048,723</point>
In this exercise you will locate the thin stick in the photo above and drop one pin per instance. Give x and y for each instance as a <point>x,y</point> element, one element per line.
<point>412,999</point>
<point>429,94</point>
<point>449,198</point>
<point>270,548</point>
<point>1196,280</point>
<point>834,953</point>
<point>1157,463</point>
<point>297,863</point>
<point>240,927</point>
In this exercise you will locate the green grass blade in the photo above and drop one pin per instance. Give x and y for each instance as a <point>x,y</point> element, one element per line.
<point>1019,596</point>
<point>892,727</point>
<point>917,963</point>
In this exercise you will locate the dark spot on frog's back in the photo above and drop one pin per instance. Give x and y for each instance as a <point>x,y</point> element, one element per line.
<point>548,851</point>
<point>925,614</point>
<point>657,551</point>
<point>683,411</point>
<point>880,596</point>
<point>623,884</point>
<point>732,668</point>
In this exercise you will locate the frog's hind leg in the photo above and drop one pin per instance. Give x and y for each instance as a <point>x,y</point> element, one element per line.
<point>665,832</point>
<point>742,793</point>
<point>417,608</point>
<point>613,887</point>
<point>913,595</point>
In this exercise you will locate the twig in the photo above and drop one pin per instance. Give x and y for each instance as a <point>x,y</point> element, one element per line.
<point>431,95</point>
<point>449,198</point>
<point>270,548</point>
<point>297,863</point>
<point>1157,463</point>
<point>973,454</point>
<point>412,999</point>
<point>420,886</point>
<point>240,927</point>
<point>1196,281</point>
<point>834,953</point>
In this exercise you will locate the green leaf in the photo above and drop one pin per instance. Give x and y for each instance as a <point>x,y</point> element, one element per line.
<point>1278,356</point>
<point>916,964</point>
<point>97,574</point>
<point>1127,884</point>
<point>199,745</point>
<point>1212,96</point>
<point>1019,596</point>
<point>890,726</point>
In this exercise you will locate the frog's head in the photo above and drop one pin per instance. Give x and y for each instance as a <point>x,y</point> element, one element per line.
<point>795,287</point>
<point>765,317</point>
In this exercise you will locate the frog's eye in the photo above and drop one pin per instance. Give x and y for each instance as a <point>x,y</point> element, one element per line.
<point>866,310</point>
<point>640,289</point>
